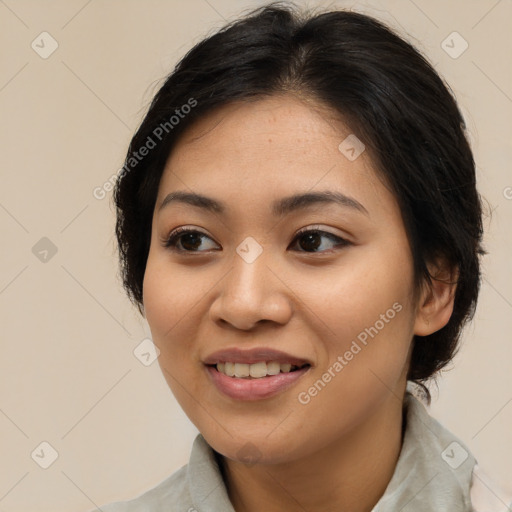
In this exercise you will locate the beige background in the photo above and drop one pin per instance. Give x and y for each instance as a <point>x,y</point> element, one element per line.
<point>68,372</point>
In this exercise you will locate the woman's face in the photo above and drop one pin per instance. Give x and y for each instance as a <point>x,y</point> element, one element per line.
<point>338,300</point>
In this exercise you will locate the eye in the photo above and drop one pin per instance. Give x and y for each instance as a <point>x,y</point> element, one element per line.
<point>185,240</point>
<point>190,240</point>
<point>312,240</point>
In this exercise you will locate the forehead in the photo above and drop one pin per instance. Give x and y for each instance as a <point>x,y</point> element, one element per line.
<point>255,150</point>
<point>283,126</point>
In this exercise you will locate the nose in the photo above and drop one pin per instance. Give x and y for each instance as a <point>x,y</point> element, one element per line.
<point>252,293</point>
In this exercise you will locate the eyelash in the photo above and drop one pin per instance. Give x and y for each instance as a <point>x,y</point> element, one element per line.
<point>172,240</point>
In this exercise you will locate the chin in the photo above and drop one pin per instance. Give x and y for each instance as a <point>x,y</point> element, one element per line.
<point>256,449</point>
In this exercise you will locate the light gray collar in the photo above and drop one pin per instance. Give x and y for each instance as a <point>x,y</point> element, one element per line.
<point>433,471</point>
<point>434,468</point>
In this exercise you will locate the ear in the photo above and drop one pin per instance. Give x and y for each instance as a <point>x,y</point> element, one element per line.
<point>435,306</point>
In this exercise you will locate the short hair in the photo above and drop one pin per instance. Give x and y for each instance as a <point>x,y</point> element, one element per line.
<point>391,98</point>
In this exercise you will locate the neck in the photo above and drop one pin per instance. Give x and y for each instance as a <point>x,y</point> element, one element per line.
<point>351,473</point>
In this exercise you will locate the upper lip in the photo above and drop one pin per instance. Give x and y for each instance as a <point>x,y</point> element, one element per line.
<point>254,355</point>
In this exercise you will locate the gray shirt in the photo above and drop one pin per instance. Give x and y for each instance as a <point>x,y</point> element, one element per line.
<point>433,473</point>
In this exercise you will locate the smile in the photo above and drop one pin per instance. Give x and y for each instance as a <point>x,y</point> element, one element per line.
<point>242,385</point>
<point>256,370</point>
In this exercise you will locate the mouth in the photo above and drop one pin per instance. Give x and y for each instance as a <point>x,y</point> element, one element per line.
<point>254,374</point>
<point>258,370</point>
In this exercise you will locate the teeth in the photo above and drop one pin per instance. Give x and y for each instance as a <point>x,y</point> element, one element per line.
<point>229,369</point>
<point>256,370</point>
<point>273,368</point>
<point>241,370</point>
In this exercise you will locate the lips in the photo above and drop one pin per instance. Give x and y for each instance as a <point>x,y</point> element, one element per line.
<point>262,387</point>
<point>252,356</point>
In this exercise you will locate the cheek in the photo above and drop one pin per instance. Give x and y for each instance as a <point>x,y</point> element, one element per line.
<point>369,314</point>
<point>169,299</point>
<point>352,296</point>
<point>170,303</point>
<point>169,290</point>
<point>158,290</point>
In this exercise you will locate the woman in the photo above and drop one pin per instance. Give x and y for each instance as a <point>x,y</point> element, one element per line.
<point>298,222</point>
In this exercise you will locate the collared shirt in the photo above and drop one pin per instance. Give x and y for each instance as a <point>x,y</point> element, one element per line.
<point>435,472</point>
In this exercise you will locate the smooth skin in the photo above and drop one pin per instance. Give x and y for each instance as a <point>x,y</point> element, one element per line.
<point>310,298</point>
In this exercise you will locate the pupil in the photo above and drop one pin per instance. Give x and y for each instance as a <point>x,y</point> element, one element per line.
<point>190,236</point>
<point>315,237</point>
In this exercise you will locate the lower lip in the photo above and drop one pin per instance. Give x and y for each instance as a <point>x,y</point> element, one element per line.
<point>254,389</point>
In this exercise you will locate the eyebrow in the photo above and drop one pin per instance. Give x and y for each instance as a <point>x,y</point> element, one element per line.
<point>279,207</point>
